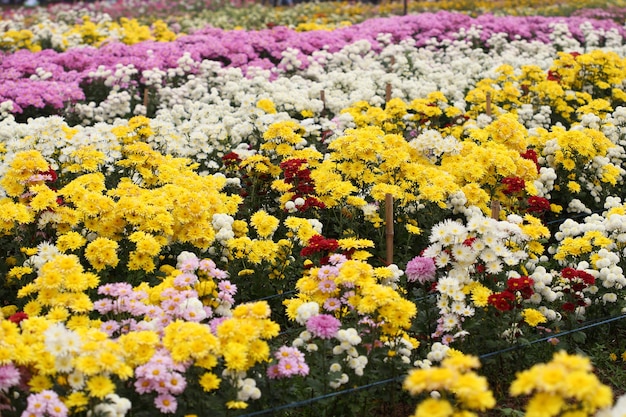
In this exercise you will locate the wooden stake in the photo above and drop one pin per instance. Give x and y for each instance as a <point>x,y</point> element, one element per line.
<point>495,209</point>
<point>488,104</point>
<point>146,99</point>
<point>387,93</point>
<point>389,226</point>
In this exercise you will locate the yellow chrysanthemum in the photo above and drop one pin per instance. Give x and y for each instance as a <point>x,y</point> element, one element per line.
<point>533,317</point>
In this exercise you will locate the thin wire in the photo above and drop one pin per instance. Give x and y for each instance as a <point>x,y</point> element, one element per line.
<point>398,378</point>
<point>553,336</point>
<point>269,297</point>
<point>574,216</point>
<point>323,397</point>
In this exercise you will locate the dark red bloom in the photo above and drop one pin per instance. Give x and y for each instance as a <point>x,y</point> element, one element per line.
<point>294,169</point>
<point>568,307</point>
<point>312,202</point>
<point>298,175</point>
<point>503,301</point>
<point>554,76</point>
<point>319,243</point>
<point>516,284</point>
<point>469,241</point>
<point>531,154</point>
<point>18,317</point>
<point>538,204</point>
<point>576,274</point>
<point>586,277</point>
<point>513,185</point>
<point>231,159</point>
<point>568,272</point>
<point>523,285</point>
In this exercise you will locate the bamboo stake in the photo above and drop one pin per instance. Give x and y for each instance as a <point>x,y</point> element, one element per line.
<point>146,99</point>
<point>389,227</point>
<point>495,209</point>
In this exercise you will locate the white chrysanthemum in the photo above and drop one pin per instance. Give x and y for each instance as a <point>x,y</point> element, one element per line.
<point>306,311</point>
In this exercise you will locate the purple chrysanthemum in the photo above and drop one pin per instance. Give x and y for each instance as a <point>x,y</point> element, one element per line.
<point>324,326</point>
<point>420,269</point>
<point>9,376</point>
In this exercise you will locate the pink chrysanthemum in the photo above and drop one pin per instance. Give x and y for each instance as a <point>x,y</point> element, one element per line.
<point>166,403</point>
<point>324,326</point>
<point>421,269</point>
<point>9,377</point>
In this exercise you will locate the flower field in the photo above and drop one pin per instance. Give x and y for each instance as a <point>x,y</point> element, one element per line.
<point>328,209</point>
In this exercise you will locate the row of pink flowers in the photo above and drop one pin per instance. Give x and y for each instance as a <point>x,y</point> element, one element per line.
<point>72,72</point>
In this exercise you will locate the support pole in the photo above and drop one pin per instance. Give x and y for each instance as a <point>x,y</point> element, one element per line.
<point>495,209</point>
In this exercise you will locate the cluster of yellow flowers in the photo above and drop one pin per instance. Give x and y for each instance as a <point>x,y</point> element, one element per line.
<point>455,388</point>
<point>576,84</point>
<point>564,386</point>
<point>128,31</point>
<point>133,218</point>
<point>361,286</point>
<point>161,201</point>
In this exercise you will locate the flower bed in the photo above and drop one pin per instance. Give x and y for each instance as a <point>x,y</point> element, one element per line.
<point>258,221</point>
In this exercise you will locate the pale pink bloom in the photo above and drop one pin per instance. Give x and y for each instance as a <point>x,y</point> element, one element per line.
<point>337,259</point>
<point>185,279</point>
<point>216,322</point>
<point>327,271</point>
<point>218,274</point>
<point>152,370</point>
<point>106,289</point>
<point>153,311</point>
<point>288,367</point>
<point>226,297</point>
<point>273,372</point>
<point>303,369</point>
<point>144,386</point>
<point>110,327</point>
<point>206,265</point>
<point>166,403</point>
<point>287,352</point>
<point>327,286</point>
<point>103,306</point>
<point>175,383</point>
<point>332,304</point>
<point>9,377</point>
<point>188,264</point>
<point>227,287</point>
